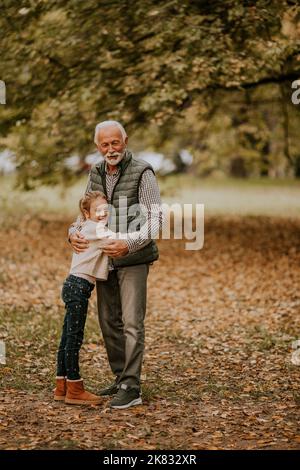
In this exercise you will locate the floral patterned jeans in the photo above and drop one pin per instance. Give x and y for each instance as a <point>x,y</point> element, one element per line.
<point>75,293</point>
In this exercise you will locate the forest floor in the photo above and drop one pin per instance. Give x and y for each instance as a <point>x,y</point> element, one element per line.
<point>220,325</point>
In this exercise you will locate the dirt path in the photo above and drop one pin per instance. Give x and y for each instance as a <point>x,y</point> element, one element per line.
<point>217,367</point>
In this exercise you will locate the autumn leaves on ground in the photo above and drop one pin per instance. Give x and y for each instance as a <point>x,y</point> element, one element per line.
<point>217,366</point>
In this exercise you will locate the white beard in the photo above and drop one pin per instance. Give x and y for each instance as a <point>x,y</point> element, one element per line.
<point>116,159</point>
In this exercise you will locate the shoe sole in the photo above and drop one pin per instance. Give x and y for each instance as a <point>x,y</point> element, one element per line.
<point>58,398</point>
<point>73,401</point>
<point>137,401</point>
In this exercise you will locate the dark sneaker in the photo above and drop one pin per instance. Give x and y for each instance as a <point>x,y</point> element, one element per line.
<point>126,397</point>
<point>110,390</point>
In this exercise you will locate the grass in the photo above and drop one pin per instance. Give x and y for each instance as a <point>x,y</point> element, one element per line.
<point>219,196</point>
<point>215,388</point>
<point>45,200</point>
<point>151,392</point>
<point>232,196</point>
<point>265,340</point>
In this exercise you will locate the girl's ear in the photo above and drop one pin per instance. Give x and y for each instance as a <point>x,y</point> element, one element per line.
<point>86,214</point>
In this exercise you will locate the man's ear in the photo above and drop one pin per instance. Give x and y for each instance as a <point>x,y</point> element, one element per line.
<point>126,140</point>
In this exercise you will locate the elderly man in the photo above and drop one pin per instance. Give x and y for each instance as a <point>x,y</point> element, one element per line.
<point>122,298</point>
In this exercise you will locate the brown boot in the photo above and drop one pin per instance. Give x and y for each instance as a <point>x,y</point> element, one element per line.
<point>76,395</point>
<point>60,390</point>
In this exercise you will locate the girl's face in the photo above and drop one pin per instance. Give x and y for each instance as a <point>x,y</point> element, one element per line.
<point>98,210</point>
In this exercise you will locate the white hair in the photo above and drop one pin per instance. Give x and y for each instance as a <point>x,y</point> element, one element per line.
<point>104,124</point>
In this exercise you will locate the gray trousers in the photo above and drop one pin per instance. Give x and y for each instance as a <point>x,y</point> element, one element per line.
<point>121,308</point>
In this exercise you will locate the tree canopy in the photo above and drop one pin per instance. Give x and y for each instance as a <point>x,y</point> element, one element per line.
<point>68,64</point>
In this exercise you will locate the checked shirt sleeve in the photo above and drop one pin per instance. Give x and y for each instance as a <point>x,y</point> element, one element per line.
<point>149,198</point>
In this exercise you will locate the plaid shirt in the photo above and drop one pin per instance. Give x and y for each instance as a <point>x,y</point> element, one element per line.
<point>149,197</point>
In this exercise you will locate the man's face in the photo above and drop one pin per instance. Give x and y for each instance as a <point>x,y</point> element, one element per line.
<point>111,144</point>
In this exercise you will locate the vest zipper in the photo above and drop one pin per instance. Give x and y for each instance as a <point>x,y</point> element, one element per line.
<point>111,202</point>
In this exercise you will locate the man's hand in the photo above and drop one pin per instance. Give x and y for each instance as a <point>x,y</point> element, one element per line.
<point>78,242</point>
<point>115,248</point>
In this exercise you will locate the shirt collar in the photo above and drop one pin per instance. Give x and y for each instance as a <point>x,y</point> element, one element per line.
<point>116,173</point>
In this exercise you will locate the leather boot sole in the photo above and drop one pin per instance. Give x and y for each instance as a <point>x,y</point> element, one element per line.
<point>59,398</point>
<point>74,401</point>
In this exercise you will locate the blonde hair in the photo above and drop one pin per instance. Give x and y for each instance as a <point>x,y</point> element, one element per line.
<point>86,200</point>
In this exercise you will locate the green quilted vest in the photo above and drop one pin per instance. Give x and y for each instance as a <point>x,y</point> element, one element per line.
<point>130,219</point>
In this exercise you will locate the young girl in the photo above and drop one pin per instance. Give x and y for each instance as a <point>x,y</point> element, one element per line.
<point>86,267</point>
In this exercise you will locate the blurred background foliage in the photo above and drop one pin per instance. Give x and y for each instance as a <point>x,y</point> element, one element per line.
<point>211,77</point>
